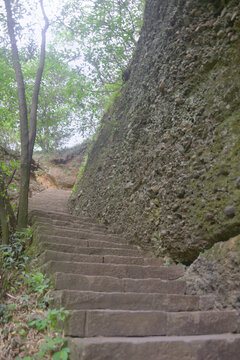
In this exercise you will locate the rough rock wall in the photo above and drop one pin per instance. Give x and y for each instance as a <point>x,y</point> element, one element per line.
<point>165,168</point>
<point>216,271</point>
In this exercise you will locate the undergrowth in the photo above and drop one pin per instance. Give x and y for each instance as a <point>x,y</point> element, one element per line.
<point>29,328</point>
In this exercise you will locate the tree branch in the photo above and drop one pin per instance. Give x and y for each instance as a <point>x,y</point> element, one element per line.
<point>11,178</point>
<point>34,106</point>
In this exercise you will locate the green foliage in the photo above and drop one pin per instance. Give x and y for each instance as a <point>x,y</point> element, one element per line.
<point>14,256</point>
<point>101,37</point>
<point>19,272</point>
<point>8,103</point>
<point>51,345</point>
<point>37,282</point>
<point>60,105</point>
<point>93,44</point>
<point>106,32</point>
<point>6,312</point>
<point>60,102</point>
<point>14,252</point>
<point>49,319</point>
<point>6,170</point>
<point>81,170</point>
<point>113,93</point>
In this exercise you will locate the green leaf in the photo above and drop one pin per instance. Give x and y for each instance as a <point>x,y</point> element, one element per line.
<point>62,355</point>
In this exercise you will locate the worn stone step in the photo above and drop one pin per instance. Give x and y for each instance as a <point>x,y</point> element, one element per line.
<point>113,284</point>
<point>106,259</point>
<point>69,223</point>
<point>86,300</point>
<point>82,242</point>
<point>172,272</point>
<point>202,347</point>
<point>109,259</point>
<point>62,216</point>
<point>73,234</point>
<point>49,255</point>
<point>87,250</point>
<point>75,227</point>
<point>149,323</point>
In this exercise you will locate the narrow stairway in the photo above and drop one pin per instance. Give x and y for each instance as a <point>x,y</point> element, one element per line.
<point>124,304</point>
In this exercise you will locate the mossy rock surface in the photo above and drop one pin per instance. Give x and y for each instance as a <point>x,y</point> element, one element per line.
<point>165,165</point>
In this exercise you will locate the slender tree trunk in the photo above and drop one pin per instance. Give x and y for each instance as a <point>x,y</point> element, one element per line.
<point>3,216</point>
<point>34,106</point>
<point>27,136</point>
<point>10,212</point>
<point>11,216</point>
<point>25,165</point>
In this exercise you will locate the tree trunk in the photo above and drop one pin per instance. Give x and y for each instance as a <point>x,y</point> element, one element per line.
<point>10,213</point>
<point>34,106</point>
<point>27,137</point>
<point>25,165</point>
<point>3,216</point>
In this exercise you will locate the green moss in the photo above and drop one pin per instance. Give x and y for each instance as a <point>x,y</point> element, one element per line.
<point>218,187</point>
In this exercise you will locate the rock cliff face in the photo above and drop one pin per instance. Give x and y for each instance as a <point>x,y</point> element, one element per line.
<point>216,271</point>
<point>165,168</point>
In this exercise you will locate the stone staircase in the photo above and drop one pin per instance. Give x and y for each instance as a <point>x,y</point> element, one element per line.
<point>124,304</point>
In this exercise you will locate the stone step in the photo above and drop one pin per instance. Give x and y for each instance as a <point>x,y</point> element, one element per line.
<point>172,272</point>
<point>113,284</point>
<point>84,226</point>
<point>86,300</point>
<point>202,347</point>
<point>149,323</point>
<point>71,226</point>
<point>72,234</point>
<point>106,259</point>
<point>87,250</point>
<point>82,242</point>
<point>62,216</point>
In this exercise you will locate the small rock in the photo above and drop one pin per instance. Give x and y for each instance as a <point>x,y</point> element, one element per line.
<point>181,194</point>
<point>220,34</point>
<point>179,101</point>
<point>155,189</point>
<point>209,217</point>
<point>229,211</point>
<point>186,20</point>
<point>162,87</point>
<point>238,183</point>
<point>157,202</point>
<point>197,13</point>
<point>234,37</point>
<point>180,148</point>
<point>175,207</point>
<point>234,16</point>
<point>224,170</point>
<point>128,186</point>
<point>223,13</point>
